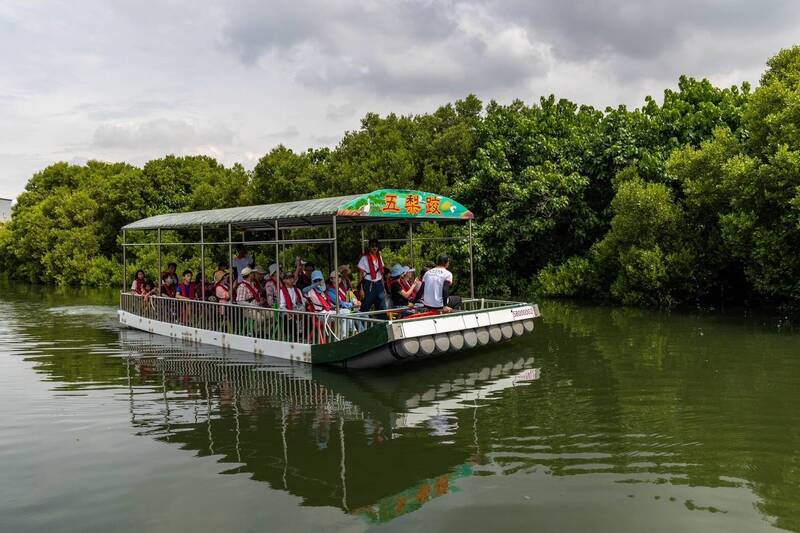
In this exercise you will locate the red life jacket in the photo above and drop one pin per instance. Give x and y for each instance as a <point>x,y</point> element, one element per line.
<point>371,264</point>
<point>188,290</point>
<point>342,294</point>
<point>168,290</point>
<point>323,297</point>
<point>404,285</point>
<point>139,284</point>
<point>253,291</point>
<point>345,285</point>
<point>287,299</point>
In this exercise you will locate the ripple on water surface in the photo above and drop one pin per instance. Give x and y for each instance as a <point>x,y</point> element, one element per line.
<point>602,419</point>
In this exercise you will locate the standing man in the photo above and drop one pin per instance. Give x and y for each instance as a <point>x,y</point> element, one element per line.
<point>437,282</point>
<point>371,268</point>
<point>242,260</point>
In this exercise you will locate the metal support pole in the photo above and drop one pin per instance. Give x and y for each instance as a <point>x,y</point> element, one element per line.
<point>283,246</point>
<point>158,245</point>
<point>230,265</point>
<point>471,266</point>
<point>411,243</point>
<point>124,261</point>
<point>336,269</point>
<point>277,264</point>
<point>362,240</point>
<point>330,251</point>
<point>202,265</point>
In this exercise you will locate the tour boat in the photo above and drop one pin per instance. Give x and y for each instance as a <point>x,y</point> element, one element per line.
<point>352,340</point>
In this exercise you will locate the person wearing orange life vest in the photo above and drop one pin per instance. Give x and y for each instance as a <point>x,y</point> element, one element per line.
<point>370,267</point>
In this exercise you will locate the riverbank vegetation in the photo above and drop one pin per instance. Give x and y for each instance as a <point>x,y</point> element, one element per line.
<point>691,201</point>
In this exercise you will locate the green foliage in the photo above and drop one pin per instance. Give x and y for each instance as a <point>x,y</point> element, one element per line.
<point>693,200</point>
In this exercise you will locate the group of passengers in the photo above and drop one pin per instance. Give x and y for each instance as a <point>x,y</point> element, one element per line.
<point>306,288</point>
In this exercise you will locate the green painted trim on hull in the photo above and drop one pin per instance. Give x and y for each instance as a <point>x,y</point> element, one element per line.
<point>335,352</point>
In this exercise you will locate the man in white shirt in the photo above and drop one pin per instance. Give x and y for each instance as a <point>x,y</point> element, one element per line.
<point>371,268</point>
<point>437,287</point>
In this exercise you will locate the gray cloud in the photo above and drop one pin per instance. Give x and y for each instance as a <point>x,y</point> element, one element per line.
<point>167,135</point>
<point>645,29</point>
<point>405,48</point>
<point>127,81</point>
<point>452,47</point>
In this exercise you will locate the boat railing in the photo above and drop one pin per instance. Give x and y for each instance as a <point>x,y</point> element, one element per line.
<point>249,320</point>
<point>468,306</point>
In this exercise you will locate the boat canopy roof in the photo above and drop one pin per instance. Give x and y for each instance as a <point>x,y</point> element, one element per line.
<point>381,206</point>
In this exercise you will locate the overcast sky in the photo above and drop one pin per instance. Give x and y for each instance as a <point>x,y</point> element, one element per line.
<point>135,80</point>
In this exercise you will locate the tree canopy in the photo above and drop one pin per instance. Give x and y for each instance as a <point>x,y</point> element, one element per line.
<point>689,201</point>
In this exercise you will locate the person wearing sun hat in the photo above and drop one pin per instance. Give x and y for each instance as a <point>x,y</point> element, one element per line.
<point>317,293</point>
<point>247,292</point>
<point>400,289</point>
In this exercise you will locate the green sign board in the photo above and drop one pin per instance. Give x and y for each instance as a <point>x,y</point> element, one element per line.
<point>405,204</point>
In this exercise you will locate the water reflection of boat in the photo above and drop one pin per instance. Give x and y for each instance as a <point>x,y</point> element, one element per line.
<point>378,446</point>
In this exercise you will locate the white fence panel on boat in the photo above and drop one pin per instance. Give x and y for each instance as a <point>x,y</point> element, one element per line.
<point>249,320</point>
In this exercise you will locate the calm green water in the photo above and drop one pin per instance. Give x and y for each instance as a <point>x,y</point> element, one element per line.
<point>603,419</point>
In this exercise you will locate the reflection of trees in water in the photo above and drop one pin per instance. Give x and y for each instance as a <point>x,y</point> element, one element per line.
<point>718,392</point>
<point>646,397</point>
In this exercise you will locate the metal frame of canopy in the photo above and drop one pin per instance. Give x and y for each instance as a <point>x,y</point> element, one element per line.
<point>384,206</point>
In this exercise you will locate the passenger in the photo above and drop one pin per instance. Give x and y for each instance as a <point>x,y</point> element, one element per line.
<point>317,293</point>
<point>201,287</point>
<point>371,269</point>
<point>346,285</point>
<point>149,290</point>
<point>344,278</point>
<point>167,285</point>
<point>247,292</point>
<point>137,287</point>
<point>172,271</point>
<point>186,290</point>
<point>271,286</point>
<point>437,287</point>
<point>243,259</point>
<point>222,294</point>
<point>339,294</point>
<point>401,290</point>
<point>302,273</point>
<point>318,302</point>
<point>261,282</point>
<point>291,298</point>
<point>219,289</point>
